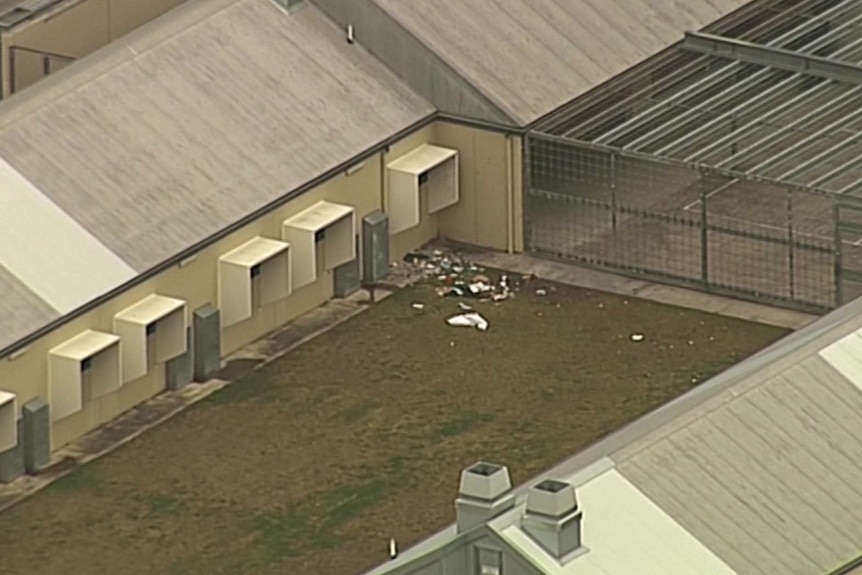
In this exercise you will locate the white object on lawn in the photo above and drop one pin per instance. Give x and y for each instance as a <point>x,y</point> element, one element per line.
<point>468,320</point>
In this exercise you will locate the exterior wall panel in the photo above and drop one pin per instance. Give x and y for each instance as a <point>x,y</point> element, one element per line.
<point>482,216</point>
<point>483,188</point>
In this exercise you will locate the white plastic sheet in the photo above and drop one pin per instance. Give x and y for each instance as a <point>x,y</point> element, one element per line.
<point>469,320</point>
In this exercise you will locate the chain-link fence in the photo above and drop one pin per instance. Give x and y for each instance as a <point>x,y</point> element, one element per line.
<point>669,221</point>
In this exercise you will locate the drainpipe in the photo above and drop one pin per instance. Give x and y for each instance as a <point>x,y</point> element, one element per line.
<point>510,198</point>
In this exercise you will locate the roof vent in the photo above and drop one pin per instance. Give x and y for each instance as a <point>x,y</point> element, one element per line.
<point>485,492</point>
<point>553,519</point>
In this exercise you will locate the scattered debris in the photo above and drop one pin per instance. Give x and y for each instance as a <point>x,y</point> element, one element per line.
<point>464,307</point>
<point>468,320</point>
<point>541,292</point>
<point>637,337</point>
<point>456,276</point>
<point>419,306</point>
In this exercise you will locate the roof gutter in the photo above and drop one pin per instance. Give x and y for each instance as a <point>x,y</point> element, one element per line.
<point>848,567</point>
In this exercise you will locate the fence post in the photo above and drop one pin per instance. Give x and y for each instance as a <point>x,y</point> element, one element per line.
<point>704,231</point>
<point>836,222</point>
<point>612,177</point>
<point>791,252</point>
<point>527,184</point>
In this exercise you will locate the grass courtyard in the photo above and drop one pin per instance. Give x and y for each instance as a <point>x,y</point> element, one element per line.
<point>311,464</point>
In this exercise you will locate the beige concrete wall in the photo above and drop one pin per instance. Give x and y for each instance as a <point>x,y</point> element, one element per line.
<point>490,205</point>
<point>196,283</point>
<point>483,217</point>
<point>74,28</point>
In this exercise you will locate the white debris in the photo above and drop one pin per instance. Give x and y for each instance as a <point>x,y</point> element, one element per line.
<point>419,306</point>
<point>541,292</point>
<point>468,320</point>
<point>479,287</point>
<point>464,307</point>
<point>637,337</point>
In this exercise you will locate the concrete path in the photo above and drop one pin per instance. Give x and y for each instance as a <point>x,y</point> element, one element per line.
<point>603,281</point>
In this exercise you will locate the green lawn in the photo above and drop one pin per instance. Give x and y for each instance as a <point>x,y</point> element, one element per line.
<point>312,463</point>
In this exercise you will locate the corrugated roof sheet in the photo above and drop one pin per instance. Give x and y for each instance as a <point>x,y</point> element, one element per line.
<point>180,140</point>
<point>532,56</point>
<point>193,122</point>
<point>21,311</point>
<point>770,478</point>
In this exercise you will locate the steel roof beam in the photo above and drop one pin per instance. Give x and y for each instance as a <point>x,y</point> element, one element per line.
<point>770,94</point>
<point>605,115</point>
<point>787,107</point>
<point>751,81</point>
<point>849,187</point>
<point>719,75</point>
<point>837,172</point>
<point>807,165</point>
<point>773,57</point>
<point>790,152</point>
<point>771,139</point>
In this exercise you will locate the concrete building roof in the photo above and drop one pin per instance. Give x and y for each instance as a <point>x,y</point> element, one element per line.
<point>531,56</point>
<point>176,131</point>
<point>754,472</point>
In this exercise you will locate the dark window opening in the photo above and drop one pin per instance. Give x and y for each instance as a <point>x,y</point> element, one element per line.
<point>320,235</point>
<point>255,271</point>
<point>86,364</point>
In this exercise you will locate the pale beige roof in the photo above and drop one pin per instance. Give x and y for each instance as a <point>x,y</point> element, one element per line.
<point>531,56</point>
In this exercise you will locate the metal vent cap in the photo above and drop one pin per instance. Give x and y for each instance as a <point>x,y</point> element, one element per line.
<point>552,498</point>
<point>485,481</point>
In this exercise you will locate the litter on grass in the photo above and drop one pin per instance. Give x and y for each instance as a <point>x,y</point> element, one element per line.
<point>419,306</point>
<point>468,320</point>
<point>456,276</point>
<point>637,337</point>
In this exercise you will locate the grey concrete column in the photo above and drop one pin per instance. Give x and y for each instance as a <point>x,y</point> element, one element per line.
<point>12,461</point>
<point>180,370</point>
<point>36,436</point>
<point>206,331</point>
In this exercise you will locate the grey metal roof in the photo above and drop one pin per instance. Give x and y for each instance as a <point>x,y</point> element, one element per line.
<point>763,100</point>
<point>761,464</point>
<point>531,56</point>
<point>21,310</point>
<point>184,129</point>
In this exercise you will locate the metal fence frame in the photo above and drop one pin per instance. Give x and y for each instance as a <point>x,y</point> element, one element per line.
<point>767,101</point>
<point>822,288</point>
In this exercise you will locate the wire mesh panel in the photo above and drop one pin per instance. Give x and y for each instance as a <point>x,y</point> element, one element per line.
<point>670,221</point>
<point>748,240</point>
<point>849,235</point>
<point>600,208</point>
<point>814,249</point>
